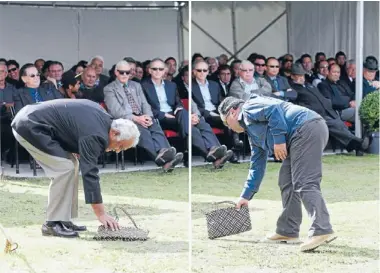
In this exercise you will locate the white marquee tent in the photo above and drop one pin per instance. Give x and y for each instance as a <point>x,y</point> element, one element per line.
<point>74,30</point>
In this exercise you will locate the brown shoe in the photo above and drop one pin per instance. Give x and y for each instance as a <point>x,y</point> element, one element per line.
<point>216,153</point>
<point>279,239</point>
<point>166,155</point>
<point>316,241</point>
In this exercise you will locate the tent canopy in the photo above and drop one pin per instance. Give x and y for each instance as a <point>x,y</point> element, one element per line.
<point>72,31</point>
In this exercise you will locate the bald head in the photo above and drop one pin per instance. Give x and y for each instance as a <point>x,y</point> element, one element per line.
<point>89,77</point>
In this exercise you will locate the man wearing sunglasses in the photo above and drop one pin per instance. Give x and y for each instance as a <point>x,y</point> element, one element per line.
<point>125,99</point>
<point>32,92</point>
<point>287,131</point>
<point>280,85</point>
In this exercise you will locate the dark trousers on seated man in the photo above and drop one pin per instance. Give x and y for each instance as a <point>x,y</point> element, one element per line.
<point>232,139</point>
<point>152,139</point>
<point>203,137</point>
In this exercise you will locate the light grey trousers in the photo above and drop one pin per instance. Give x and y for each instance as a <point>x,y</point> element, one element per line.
<point>63,190</point>
<point>300,179</point>
<point>348,114</point>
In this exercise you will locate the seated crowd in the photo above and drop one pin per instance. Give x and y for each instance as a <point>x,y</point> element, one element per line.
<point>327,87</point>
<point>156,97</point>
<point>146,93</point>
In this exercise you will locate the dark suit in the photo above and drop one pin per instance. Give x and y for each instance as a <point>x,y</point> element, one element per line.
<point>6,96</point>
<point>310,97</point>
<point>181,121</point>
<point>224,90</point>
<point>338,93</point>
<point>283,85</point>
<point>95,93</point>
<point>214,90</point>
<point>215,121</point>
<point>23,97</point>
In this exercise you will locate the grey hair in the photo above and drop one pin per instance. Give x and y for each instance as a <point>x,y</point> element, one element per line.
<point>97,57</point>
<point>156,60</point>
<point>121,63</point>
<point>198,62</point>
<point>245,62</point>
<point>127,128</point>
<point>227,104</point>
<point>352,61</point>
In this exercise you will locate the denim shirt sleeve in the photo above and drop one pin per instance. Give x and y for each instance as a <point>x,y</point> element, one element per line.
<point>256,172</point>
<point>274,115</point>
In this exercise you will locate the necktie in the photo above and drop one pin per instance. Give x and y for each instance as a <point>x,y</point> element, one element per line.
<point>132,102</point>
<point>36,96</point>
<point>275,82</point>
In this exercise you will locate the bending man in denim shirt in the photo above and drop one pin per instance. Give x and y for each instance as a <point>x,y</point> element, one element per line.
<point>297,136</point>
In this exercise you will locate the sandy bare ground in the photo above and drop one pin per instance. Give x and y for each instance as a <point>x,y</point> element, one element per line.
<point>356,249</point>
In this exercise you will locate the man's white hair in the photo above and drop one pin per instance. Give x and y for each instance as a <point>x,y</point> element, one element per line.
<point>127,129</point>
<point>98,57</point>
<point>244,63</point>
<point>121,63</point>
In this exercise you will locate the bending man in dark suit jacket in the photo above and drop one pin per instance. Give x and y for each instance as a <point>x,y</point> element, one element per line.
<point>51,132</point>
<point>32,93</point>
<point>310,97</point>
<point>126,99</point>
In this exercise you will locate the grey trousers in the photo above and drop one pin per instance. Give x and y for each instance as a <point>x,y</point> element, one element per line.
<point>348,114</point>
<point>63,190</point>
<point>300,179</point>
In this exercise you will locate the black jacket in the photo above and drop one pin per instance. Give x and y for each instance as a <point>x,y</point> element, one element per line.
<point>310,97</point>
<point>340,96</point>
<point>59,127</point>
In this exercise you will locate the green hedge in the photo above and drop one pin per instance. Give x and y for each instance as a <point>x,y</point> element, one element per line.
<point>369,111</point>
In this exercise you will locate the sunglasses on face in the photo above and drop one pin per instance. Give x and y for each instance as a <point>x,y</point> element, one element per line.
<point>262,65</point>
<point>274,66</point>
<point>202,70</point>
<point>124,72</point>
<point>247,70</point>
<point>12,69</point>
<point>289,60</point>
<point>157,68</point>
<point>34,75</point>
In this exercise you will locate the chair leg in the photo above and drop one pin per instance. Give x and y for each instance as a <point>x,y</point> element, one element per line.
<point>117,161</point>
<point>135,155</point>
<point>34,167</point>
<point>17,162</point>
<point>122,161</point>
<point>104,160</point>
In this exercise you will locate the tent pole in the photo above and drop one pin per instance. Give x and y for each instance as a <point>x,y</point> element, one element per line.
<point>359,65</point>
<point>233,20</point>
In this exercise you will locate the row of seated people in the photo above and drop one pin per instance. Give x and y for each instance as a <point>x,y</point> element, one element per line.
<point>332,98</point>
<point>153,105</point>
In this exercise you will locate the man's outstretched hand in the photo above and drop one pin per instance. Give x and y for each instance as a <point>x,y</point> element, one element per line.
<point>104,218</point>
<point>109,222</point>
<point>242,202</point>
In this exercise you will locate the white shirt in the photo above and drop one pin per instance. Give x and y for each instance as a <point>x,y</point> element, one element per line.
<point>163,100</point>
<point>318,80</point>
<point>224,86</point>
<point>206,96</point>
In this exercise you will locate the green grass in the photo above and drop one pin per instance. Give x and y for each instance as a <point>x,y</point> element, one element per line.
<point>345,178</point>
<point>147,184</point>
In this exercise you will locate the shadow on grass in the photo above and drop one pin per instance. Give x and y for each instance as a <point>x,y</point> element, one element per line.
<point>25,260</point>
<point>348,251</point>
<point>23,209</point>
<point>150,245</point>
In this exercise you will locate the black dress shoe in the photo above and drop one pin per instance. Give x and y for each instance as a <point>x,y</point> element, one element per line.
<point>72,226</point>
<point>57,229</point>
<point>234,159</point>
